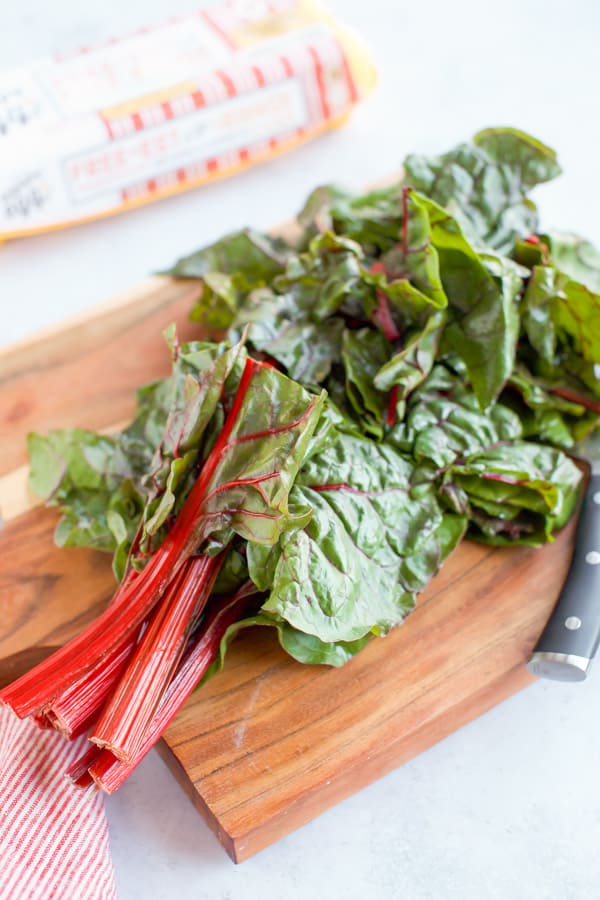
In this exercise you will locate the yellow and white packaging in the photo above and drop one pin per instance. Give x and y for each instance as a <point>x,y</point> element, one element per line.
<point>106,128</point>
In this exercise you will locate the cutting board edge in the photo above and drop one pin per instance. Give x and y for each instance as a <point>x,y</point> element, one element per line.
<point>176,768</point>
<point>242,845</point>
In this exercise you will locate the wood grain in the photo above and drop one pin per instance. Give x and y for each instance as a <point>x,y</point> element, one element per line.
<point>85,373</point>
<point>267,744</point>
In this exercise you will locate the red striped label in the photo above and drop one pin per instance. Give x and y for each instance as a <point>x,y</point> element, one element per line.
<point>228,82</point>
<point>319,75</point>
<point>109,129</point>
<point>198,98</point>
<point>218,30</point>
<point>349,78</point>
<point>260,78</point>
<point>287,66</point>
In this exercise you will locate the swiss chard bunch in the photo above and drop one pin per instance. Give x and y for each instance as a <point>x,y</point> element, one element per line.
<point>409,369</point>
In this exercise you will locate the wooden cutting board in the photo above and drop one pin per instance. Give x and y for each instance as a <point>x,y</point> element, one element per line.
<point>268,744</point>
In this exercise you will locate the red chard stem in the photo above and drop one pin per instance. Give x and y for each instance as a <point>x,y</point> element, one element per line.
<point>108,772</point>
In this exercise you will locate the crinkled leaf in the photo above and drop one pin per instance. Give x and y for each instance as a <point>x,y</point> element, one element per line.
<point>324,275</point>
<point>372,219</point>
<point>276,326</point>
<point>364,353</point>
<point>545,285</point>
<point>229,268</point>
<point>248,492</point>
<point>315,216</point>
<point>484,184</point>
<point>102,490</point>
<point>217,306</point>
<point>444,422</point>
<point>393,224</point>
<point>367,520</point>
<point>530,160</point>
<point>482,291</point>
<point>577,318</point>
<point>305,648</point>
<point>95,483</point>
<point>416,570</point>
<point>522,491</point>
<point>196,390</point>
<point>409,367</point>
<point>413,257</point>
<point>576,257</point>
<point>561,320</point>
<point>546,417</point>
<point>256,256</point>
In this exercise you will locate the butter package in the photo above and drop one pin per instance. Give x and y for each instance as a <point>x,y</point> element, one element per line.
<point>106,128</point>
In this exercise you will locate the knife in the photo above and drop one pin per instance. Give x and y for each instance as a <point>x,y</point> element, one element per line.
<point>570,639</point>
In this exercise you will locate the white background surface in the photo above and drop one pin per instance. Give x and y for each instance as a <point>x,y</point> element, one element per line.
<point>508,807</point>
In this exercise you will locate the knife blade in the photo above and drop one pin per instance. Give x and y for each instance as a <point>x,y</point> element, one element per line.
<point>569,641</point>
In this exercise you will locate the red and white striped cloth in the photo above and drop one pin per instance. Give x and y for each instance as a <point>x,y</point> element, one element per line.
<point>53,836</point>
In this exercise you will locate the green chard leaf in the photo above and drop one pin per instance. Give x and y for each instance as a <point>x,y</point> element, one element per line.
<point>228,269</point>
<point>413,257</point>
<point>484,184</point>
<point>577,319</point>
<point>482,291</point>
<point>250,253</point>
<point>95,481</point>
<point>372,219</point>
<point>520,492</point>
<point>545,416</point>
<point>444,422</point>
<point>329,271</point>
<point>574,256</point>
<point>275,324</point>
<point>364,353</point>
<point>105,487</point>
<point>409,367</point>
<point>510,489</point>
<point>305,648</point>
<point>351,570</point>
<point>561,319</point>
<point>196,387</point>
<point>248,492</point>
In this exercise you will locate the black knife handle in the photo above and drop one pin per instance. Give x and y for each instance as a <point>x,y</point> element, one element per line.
<point>570,639</point>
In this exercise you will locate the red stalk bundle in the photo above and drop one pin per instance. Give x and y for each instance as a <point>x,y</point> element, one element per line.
<point>124,719</point>
<point>73,711</point>
<point>127,674</point>
<point>106,769</point>
<point>135,598</point>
